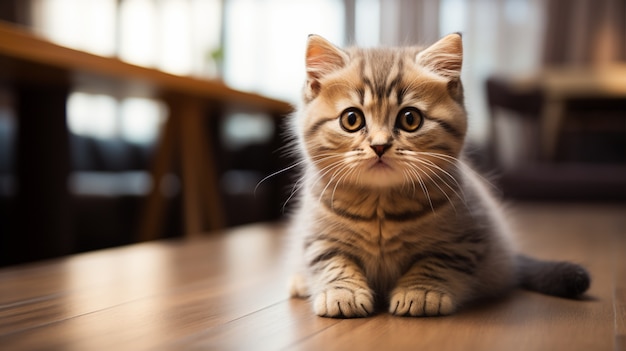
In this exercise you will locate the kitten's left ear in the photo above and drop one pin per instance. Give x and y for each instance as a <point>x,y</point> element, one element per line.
<point>444,57</point>
<point>322,57</point>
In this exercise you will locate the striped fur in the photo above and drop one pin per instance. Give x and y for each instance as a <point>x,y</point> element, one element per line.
<point>390,216</point>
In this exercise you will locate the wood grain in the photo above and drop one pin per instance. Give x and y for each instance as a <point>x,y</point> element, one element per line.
<point>227,292</point>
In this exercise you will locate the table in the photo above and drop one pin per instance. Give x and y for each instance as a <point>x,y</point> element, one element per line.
<point>562,84</point>
<point>228,292</point>
<point>41,74</point>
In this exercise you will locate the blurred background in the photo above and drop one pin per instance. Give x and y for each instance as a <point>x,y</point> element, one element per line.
<point>545,86</point>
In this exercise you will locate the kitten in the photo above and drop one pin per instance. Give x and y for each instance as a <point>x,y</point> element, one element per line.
<point>388,213</point>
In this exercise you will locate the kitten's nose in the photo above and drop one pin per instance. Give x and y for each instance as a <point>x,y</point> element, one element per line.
<point>380,149</point>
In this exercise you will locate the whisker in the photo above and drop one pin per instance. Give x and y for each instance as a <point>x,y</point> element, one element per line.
<point>422,185</point>
<point>301,182</point>
<point>275,174</point>
<point>407,180</point>
<point>340,166</point>
<point>296,187</point>
<point>428,164</point>
<point>349,171</point>
<point>460,165</point>
<point>437,185</point>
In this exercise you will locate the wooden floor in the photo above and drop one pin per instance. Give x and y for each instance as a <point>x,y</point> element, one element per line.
<point>228,292</point>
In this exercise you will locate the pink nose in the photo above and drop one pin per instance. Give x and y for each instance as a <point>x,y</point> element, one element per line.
<point>380,149</point>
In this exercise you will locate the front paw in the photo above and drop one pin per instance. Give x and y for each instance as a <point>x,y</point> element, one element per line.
<point>420,302</point>
<point>298,286</point>
<point>342,302</point>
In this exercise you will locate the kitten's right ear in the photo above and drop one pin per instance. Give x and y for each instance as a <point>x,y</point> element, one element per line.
<point>322,57</point>
<point>444,57</point>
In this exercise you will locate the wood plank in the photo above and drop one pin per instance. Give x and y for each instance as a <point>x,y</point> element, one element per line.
<point>41,294</point>
<point>227,292</point>
<point>279,326</point>
<point>509,324</point>
<point>148,322</point>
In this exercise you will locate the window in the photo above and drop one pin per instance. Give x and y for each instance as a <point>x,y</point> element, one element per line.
<point>177,36</point>
<point>265,42</point>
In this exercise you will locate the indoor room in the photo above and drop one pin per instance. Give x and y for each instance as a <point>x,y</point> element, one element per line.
<point>185,174</point>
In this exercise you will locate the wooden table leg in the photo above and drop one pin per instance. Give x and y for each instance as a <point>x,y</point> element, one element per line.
<point>200,191</point>
<point>153,211</point>
<point>189,113</point>
<point>185,140</point>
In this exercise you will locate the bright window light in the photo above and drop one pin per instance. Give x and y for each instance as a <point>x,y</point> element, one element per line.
<point>141,119</point>
<point>452,15</point>
<point>242,129</point>
<point>206,19</point>
<point>138,28</point>
<point>175,37</point>
<point>92,115</point>
<point>266,40</point>
<point>367,22</point>
<point>85,25</point>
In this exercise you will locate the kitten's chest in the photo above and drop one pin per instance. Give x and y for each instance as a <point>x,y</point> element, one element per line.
<point>384,217</point>
<point>386,225</point>
<point>390,252</point>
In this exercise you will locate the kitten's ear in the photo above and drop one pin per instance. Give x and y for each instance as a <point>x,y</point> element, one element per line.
<point>444,57</point>
<point>322,57</point>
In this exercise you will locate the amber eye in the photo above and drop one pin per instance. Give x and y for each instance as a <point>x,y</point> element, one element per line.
<point>409,119</point>
<point>352,120</point>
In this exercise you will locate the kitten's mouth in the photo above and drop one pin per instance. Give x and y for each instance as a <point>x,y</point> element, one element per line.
<point>379,163</point>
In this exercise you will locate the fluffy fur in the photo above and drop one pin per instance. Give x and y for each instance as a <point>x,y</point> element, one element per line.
<point>388,215</point>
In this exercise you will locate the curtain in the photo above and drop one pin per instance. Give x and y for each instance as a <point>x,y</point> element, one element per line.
<point>409,22</point>
<point>583,32</point>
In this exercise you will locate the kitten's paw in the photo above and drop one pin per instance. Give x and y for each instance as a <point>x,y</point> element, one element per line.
<point>298,286</point>
<point>420,302</point>
<point>340,302</point>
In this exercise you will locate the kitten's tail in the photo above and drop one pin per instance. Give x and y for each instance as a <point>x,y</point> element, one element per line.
<point>552,278</point>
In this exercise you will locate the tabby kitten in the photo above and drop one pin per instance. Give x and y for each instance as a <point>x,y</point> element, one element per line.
<point>389,216</point>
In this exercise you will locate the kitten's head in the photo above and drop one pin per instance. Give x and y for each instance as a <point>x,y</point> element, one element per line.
<point>382,117</point>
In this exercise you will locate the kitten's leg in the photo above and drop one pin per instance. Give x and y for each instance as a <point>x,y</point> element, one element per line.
<point>423,291</point>
<point>340,288</point>
<point>298,286</point>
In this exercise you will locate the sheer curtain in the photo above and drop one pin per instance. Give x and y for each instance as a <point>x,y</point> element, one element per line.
<point>264,41</point>
<point>585,32</point>
<point>499,36</point>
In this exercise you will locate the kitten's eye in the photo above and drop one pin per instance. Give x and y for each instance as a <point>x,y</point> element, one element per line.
<point>352,120</point>
<point>409,119</point>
